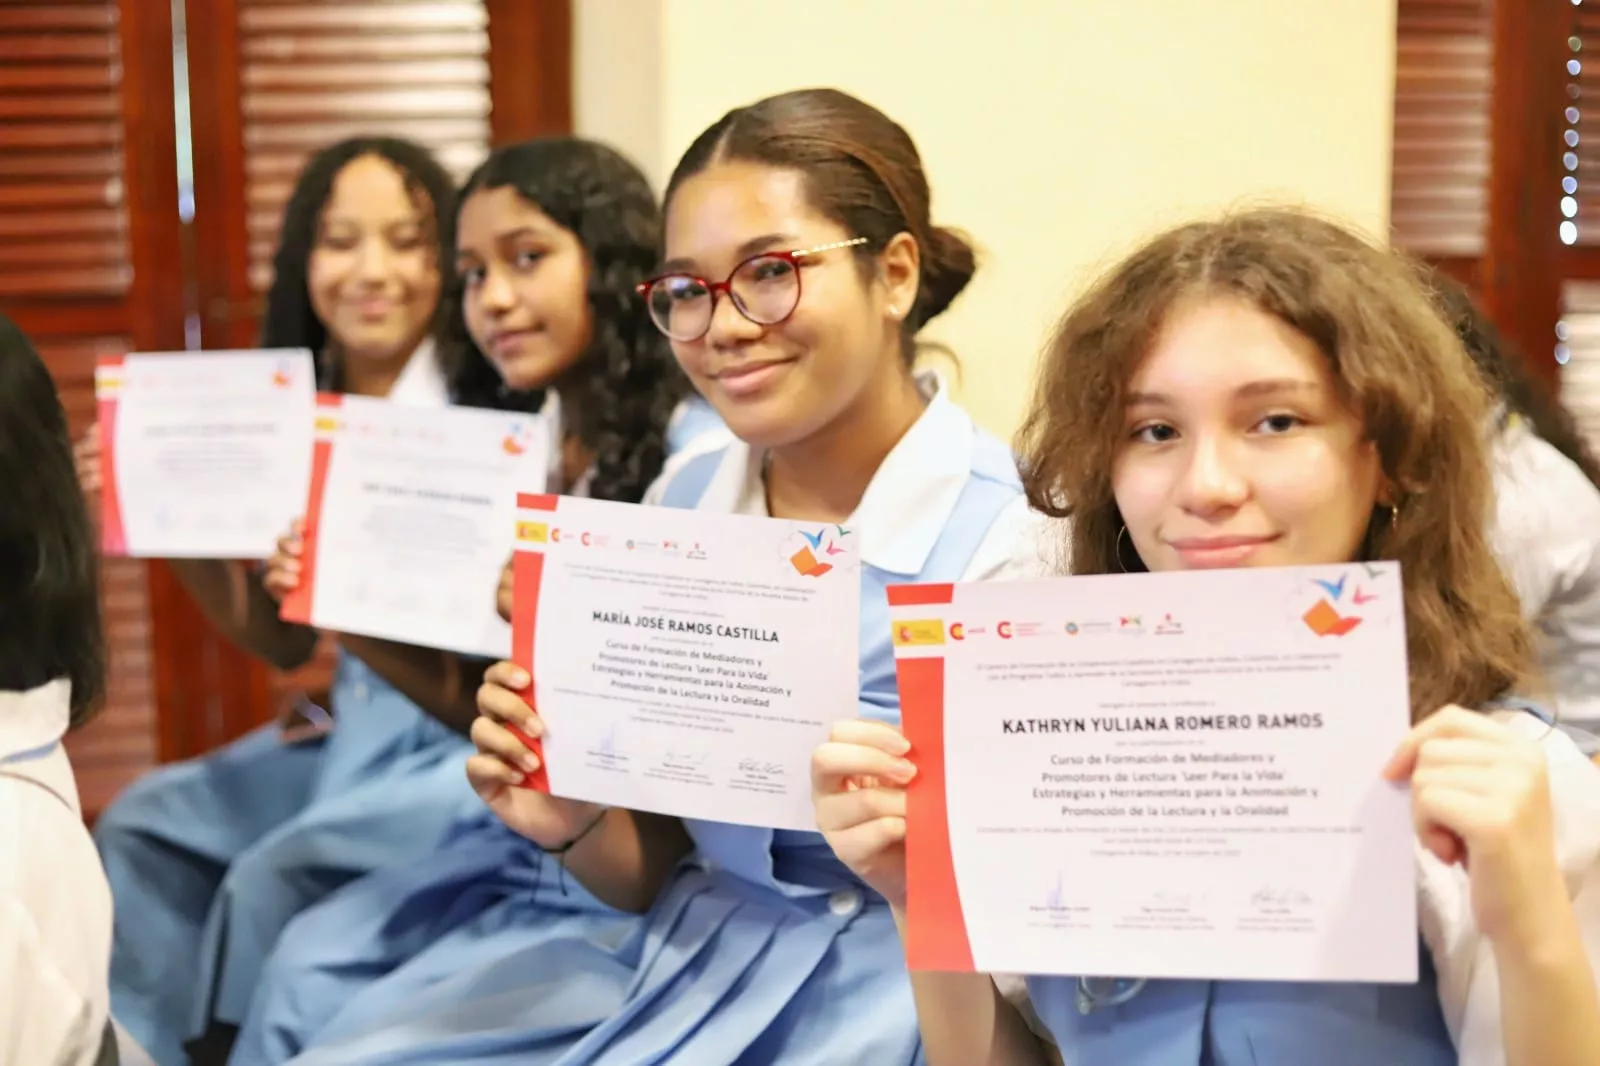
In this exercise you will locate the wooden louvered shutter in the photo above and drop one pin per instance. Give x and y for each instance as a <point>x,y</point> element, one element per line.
<point>88,265</point>
<point>272,81</point>
<point>1441,131</point>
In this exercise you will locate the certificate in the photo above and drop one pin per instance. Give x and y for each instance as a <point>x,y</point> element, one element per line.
<point>202,455</point>
<point>410,521</point>
<point>684,663</point>
<point>1159,775</point>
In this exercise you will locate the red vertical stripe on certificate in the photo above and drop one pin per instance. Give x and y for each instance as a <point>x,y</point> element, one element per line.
<point>297,605</point>
<point>527,572</point>
<point>936,931</point>
<point>113,537</point>
<point>917,595</point>
<point>537,501</point>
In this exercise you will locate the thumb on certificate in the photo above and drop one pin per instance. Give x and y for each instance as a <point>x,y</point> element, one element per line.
<point>507,675</point>
<point>502,595</point>
<point>870,734</point>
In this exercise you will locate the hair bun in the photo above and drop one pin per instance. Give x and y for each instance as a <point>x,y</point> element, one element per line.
<point>948,264</point>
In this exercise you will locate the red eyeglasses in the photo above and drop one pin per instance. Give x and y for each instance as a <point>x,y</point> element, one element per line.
<point>764,288</point>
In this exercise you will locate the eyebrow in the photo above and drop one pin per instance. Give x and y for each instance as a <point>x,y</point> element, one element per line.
<point>750,247</point>
<point>519,233</point>
<point>1248,391</point>
<point>329,220</point>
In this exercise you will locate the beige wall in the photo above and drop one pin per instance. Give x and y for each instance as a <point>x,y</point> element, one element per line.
<point>1055,132</point>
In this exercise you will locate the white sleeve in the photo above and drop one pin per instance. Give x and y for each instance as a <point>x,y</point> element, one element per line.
<point>1469,987</point>
<point>1021,544</point>
<point>43,1020</point>
<point>1546,530</point>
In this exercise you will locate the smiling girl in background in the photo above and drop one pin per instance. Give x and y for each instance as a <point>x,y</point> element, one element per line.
<point>1270,390</point>
<point>192,848</point>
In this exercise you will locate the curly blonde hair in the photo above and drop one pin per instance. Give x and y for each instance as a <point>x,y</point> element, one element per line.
<point>1397,365</point>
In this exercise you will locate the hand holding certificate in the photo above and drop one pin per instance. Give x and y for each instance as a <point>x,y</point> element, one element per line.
<point>1160,775</point>
<point>683,663</point>
<point>202,455</point>
<point>410,521</point>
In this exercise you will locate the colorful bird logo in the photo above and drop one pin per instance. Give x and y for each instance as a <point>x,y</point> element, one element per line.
<point>1324,619</point>
<point>806,562</point>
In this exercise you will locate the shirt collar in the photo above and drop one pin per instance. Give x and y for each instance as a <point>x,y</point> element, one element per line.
<point>421,382</point>
<point>909,499</point>
<point>34,719</point>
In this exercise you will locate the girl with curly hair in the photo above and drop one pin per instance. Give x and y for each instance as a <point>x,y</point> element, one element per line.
<point>1269,389</point>
<point>553,237</point>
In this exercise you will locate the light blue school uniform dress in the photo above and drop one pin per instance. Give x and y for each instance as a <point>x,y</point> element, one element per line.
<point>1101,1022</point>
<point>209,858</point>
<point>762,948</point>
<point>694,423</point>
<point>1129,1022</point>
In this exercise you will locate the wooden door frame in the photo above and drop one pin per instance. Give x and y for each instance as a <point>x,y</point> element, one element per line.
<point>195,674</point>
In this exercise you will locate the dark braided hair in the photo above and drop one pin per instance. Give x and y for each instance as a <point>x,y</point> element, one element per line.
<point>619,397</point>
<point>289,320</point>
<point>1503,370</point>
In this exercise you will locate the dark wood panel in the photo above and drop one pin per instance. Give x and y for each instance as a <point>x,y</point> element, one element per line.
<point>530,64</point>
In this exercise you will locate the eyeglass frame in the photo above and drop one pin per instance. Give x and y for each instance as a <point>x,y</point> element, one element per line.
<point>793,258</point>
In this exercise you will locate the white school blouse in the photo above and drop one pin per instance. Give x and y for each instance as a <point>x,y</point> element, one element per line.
<point>1546,534</point>
<point>908,501</point>
<point>55,905</point>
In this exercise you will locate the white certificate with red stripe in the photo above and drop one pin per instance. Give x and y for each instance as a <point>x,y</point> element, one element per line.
<point>410,520</point>
<point>1159,775</point>
<point>683,662</point>
<point>203,455</point>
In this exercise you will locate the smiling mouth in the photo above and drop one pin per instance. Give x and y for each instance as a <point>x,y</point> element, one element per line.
<point>1207,552</point>
<point>744,379</point>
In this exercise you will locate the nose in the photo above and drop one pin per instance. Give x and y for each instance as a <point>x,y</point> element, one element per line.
<point>1215,480</point>
<point>494,292</point>
<point>729,327</point>
<point>374,262</point>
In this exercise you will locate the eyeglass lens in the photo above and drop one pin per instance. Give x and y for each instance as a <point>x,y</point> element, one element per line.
<point>765,289</point>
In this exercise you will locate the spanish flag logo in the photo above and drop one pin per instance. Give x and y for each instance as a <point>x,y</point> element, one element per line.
<point>533,532</point>
<point>918,632</point>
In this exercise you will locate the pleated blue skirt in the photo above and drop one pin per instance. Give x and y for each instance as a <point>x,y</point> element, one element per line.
<point>209,859</point>
<point>492,956</point>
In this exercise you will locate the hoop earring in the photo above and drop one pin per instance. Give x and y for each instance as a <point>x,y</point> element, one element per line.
<point>1394,514</point>
<point>1121,563</point>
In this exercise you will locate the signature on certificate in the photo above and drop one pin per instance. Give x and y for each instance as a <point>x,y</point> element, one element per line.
<point>1276,898</point>
<point>760,766</point>
<point>687,759</point>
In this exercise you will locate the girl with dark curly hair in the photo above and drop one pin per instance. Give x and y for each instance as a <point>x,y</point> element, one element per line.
<point>553,237</point>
